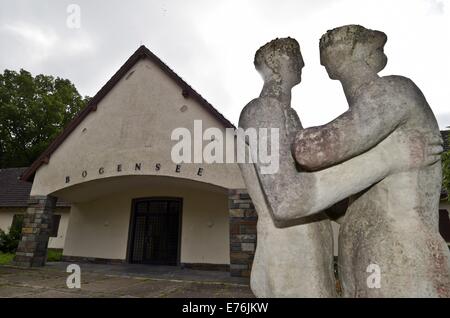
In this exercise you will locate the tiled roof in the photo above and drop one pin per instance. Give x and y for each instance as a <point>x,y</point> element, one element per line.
<point>15,192</point>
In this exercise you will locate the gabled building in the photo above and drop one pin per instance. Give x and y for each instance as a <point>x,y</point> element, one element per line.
<point>129,201</point>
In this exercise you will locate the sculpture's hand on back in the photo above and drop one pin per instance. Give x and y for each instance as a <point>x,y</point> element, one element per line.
<point>411,149</point>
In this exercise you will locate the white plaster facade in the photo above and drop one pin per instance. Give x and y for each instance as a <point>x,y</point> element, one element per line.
<point>122,151</point>
<point>133,124</point>
<point>7,215</point>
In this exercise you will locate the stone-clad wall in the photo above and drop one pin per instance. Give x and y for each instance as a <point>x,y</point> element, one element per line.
<point>32,249</point>
<point>243,219</point>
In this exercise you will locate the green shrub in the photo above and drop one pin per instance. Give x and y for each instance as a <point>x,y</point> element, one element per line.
<point>10,241</point>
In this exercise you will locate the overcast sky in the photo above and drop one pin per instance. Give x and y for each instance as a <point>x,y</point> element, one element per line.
<point>211,44</point>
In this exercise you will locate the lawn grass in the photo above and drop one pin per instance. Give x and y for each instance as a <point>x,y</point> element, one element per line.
<point>54,255</point>
<point>6,258</point>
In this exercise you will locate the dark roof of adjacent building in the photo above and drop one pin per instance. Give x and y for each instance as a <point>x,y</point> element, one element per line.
<point>142,53</point>
<point>13,191</point>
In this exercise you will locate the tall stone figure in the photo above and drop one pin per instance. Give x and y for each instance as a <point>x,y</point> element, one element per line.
<point>281,269</point>
<point>294,250</point>
<point>392,225</point>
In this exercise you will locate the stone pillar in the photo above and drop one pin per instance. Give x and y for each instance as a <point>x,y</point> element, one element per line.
<point>243,219</point>
<point>32,249</point>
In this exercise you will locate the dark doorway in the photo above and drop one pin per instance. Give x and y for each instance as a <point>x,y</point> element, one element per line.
<point>156,231</point>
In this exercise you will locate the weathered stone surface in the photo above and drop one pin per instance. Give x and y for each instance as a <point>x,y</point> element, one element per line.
<point>295,261</point>
<point>388,144</point>
<point>394,223</point>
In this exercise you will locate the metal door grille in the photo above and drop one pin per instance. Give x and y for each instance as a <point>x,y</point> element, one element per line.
<point>156,230</point>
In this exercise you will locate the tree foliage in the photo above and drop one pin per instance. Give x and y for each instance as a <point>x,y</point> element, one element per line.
<point>33,111</point>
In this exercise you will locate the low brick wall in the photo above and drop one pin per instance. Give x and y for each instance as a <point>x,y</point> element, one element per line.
<point>243,219</point>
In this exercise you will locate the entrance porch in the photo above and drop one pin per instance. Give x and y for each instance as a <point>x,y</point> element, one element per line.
<point>153,220</point>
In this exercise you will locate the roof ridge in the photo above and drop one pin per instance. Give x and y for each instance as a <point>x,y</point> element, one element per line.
<point>141,52</point>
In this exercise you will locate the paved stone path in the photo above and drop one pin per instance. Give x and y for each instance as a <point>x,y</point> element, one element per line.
<point>111,281</point>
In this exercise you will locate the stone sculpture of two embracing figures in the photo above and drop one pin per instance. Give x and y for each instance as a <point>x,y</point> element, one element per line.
<point>375,170</point>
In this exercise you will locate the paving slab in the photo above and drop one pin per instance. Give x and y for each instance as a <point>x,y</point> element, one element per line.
<point>111,282</point>
<point>58,294</point>
<point>149,289</point>
<point>8,291</point>
<point>159,272</point>
<point>200,290</point>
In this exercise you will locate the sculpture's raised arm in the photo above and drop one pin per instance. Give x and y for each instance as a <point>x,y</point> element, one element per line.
<point>292,194</point>
<point>359,147</point>
<point>357,130</point>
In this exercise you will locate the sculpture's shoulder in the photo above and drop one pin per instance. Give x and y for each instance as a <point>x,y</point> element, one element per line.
<point>391,93</point>
<point>402,86</point>
<point>398,80</point>
<point>408,95</point>
<point>259,112</point>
